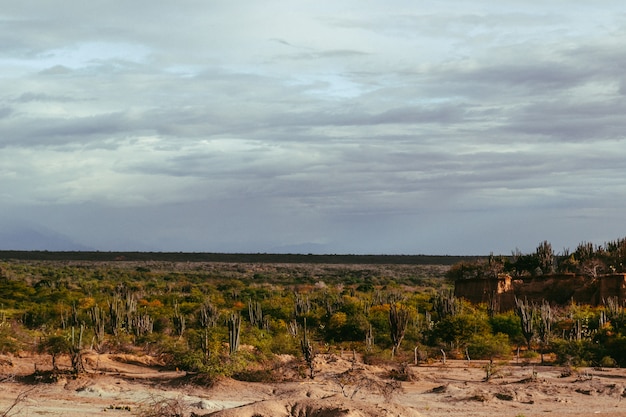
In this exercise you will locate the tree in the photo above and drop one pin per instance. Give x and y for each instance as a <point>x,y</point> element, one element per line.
<point>507,323</point>
<point>460,329</point>
<point>54,346</point>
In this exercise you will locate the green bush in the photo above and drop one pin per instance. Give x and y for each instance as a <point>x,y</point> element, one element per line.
<point>608,362</point>
<point>615,347</point>
<point>509,324</point>
<point>489,346</point>
<point>575,352</point>
<point>460,329</point>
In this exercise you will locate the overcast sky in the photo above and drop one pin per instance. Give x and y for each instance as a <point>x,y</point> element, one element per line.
<point>430,127</point>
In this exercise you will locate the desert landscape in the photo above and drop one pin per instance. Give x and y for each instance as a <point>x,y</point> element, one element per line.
<point>169,338</point>
<point>140,386</point>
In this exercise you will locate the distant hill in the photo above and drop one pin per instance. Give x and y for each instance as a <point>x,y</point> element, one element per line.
<point>36,239</point>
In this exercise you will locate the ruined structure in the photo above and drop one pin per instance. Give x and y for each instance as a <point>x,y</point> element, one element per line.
<point>501,292</point>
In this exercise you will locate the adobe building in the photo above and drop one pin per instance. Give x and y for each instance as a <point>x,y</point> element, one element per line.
<point>557,289</point>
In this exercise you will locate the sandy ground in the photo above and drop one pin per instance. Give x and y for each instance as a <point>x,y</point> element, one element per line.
<point>124,385</point>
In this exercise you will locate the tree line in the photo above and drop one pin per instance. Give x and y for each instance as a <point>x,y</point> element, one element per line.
<point>587,260</point>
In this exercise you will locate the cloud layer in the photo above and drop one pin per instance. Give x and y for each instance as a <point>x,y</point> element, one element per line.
<point>355,127</point>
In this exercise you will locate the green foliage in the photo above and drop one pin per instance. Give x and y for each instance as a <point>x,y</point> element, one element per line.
<point>460,329</point>
<point>488,346</point>
<point>615,347</point>
<point>576,352</point>
<point>182,312</point>
<point>509,324</point>
<point>478,269</point>
<point>281,343</point>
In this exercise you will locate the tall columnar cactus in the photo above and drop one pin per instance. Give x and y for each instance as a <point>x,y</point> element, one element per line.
<point>98,320</point>
<point>446,304</point>
<point>130,308</point>
<point>122,309</point>
<point>292,328</point>
<point>205,345</point>
<point>74,316</point>
<point>614,312</point>
<point>302,305</point>
<point>545,257</point>
<point>142,324</point>
<point>398,321</point>
<point>234,330</point>
<point>526,313</point>
<point>307,351</point>
<point>332,302</point>
<point>179,321</point>
<point>115,315</point>
<point>545,325</point>
<point>255,313</point>
<point>76,350</point>
<point>369,339</point>
<point>208,315</point>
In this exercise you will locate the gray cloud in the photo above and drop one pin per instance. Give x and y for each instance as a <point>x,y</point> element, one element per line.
<point>346,128</point>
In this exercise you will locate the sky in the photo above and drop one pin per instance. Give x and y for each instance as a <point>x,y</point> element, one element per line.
<point>355,127</point>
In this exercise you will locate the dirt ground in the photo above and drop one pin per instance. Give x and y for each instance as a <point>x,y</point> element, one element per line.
<point>126,385</point>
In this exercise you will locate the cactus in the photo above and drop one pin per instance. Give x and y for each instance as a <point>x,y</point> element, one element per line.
<point>302,305</point>
<point>307,352</point>
<point>292,328</point>
<point>428,321</point>
<point>526,313</point>
<point>369,339</point>
<point>545,325</point>
<point>76,350</point>
<point>446,305</point>
<point>255,313</point>
<point>398,321</point>
<point>114,315</point>
<point>208,315</point>
<point>179,321</point>
<point>332,302</point>
<point>614,312</point>
<point>98,319</point>
<point>142,324</point>
<point>204,344</point>
<point>234,330</point>
<point>74,316</point>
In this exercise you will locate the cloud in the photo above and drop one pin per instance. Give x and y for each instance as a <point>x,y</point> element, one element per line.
<point>352,127</point>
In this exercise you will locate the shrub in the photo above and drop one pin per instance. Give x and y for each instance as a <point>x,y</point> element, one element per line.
<point>460,329</point>
<point>509,324</point>
<point>608,362</point>
<point>575,352</point>
<point>489,346</point>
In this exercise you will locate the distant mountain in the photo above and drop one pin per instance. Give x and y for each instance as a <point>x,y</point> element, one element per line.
<point>29,238</point>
